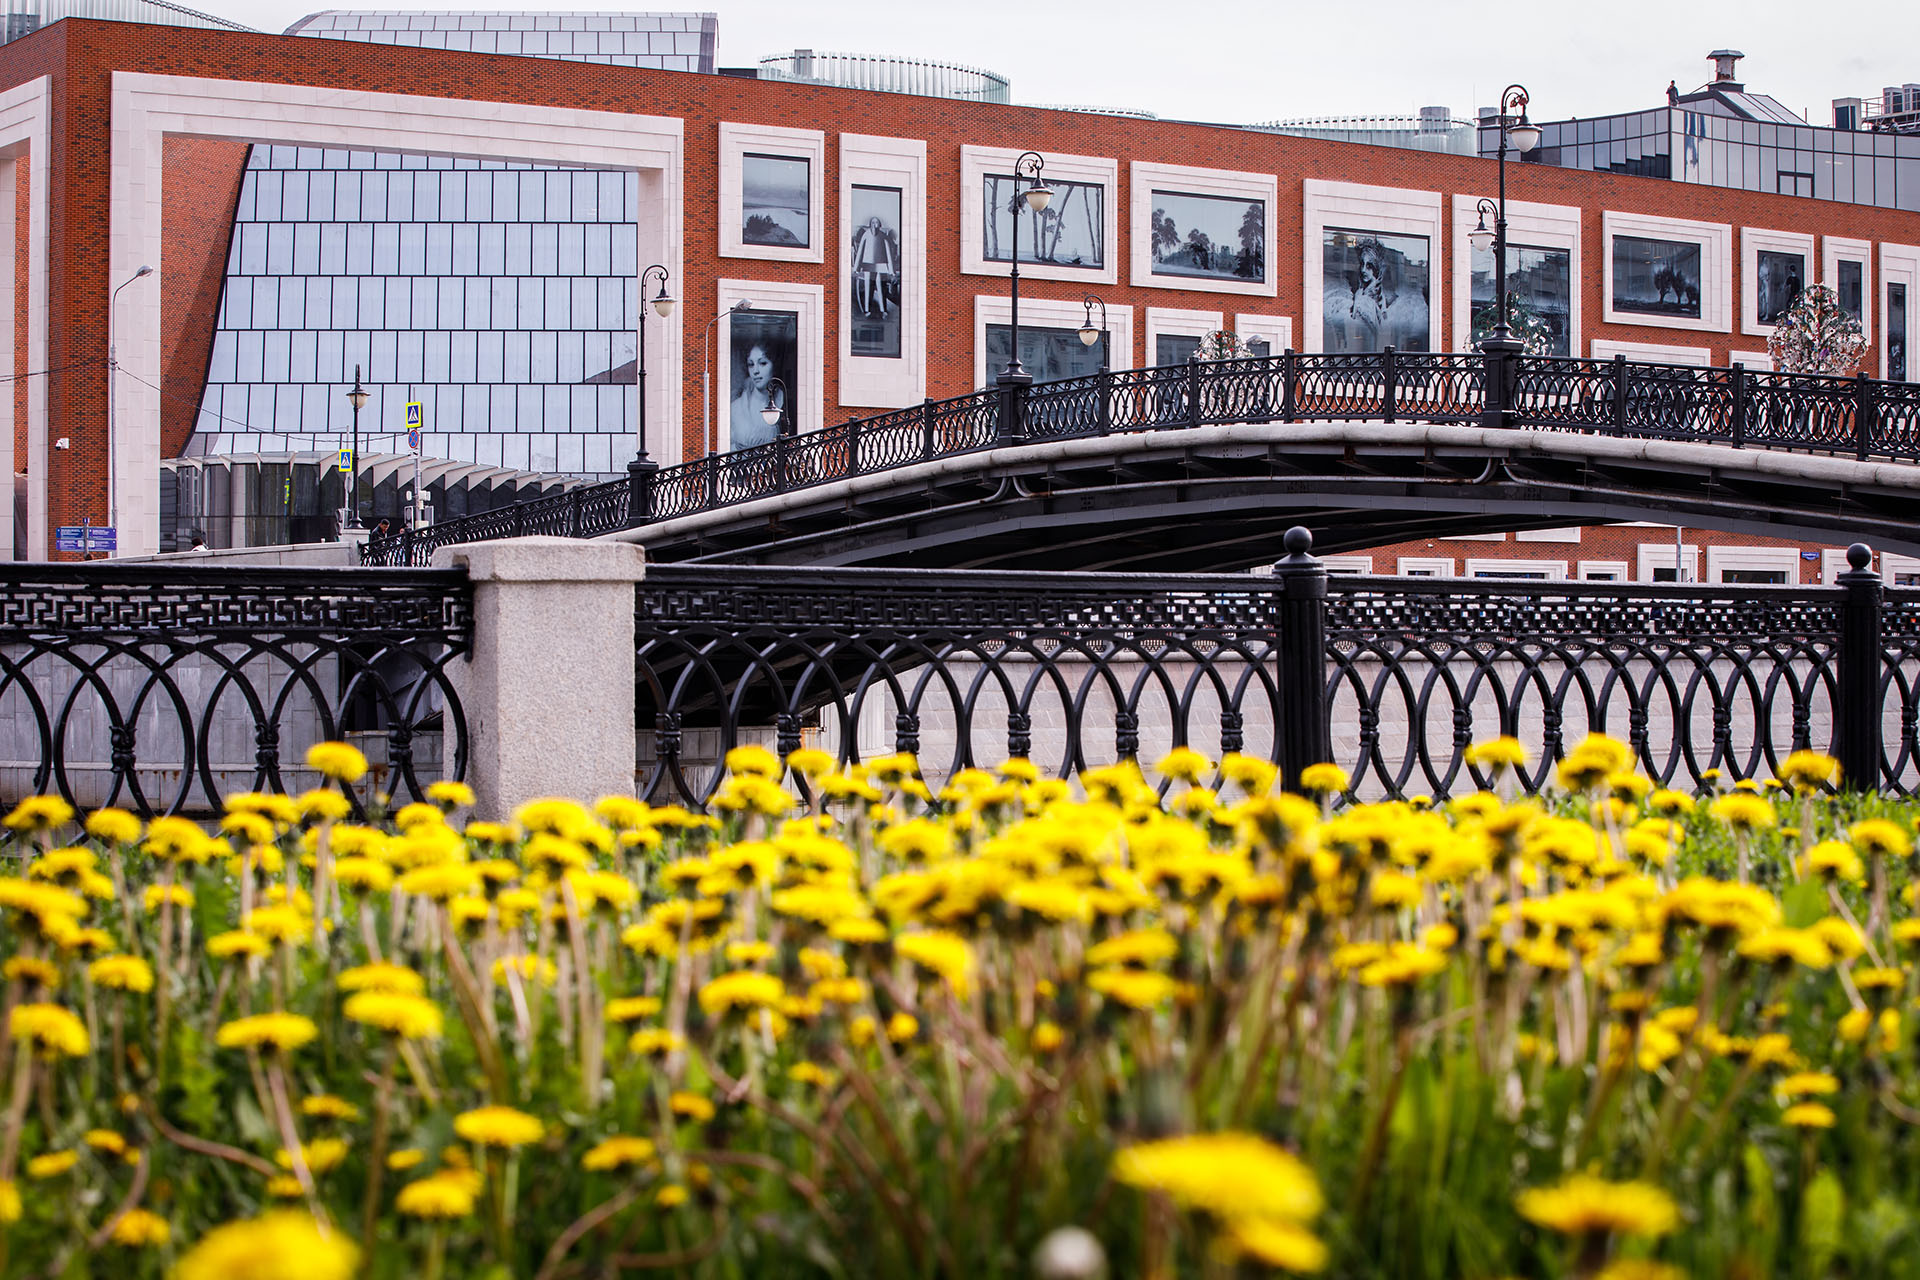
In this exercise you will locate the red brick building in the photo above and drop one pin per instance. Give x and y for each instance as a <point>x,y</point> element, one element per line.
<point>124,145</point>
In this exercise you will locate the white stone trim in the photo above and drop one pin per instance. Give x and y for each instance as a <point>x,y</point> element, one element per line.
<point>1277,330</point>
<point>808,302</point>
<point>147,108</point>
<point>1345,564</point>
<point>1716,268</point>
<point>1229,183</point>
<point>1354,205</point>
<point>1046,313</point>
<point>1425,567</point>
<point>1892,566</point>
<point>872,381</point>
<point>1777,559</point>
<point>1551,570</point>
<point>1835,250</point>
<point>1652,352</point>
<point>1752,241</point>
<point>736,140</point>
<point>24,116</point>
<point>977,162</point>
<point>1620,570</point>
<point>1176,322</point>
<point>1900,264</point>
<point>1540,226</point>
<point>1755,361</point>
<point>1659,555</point>
<point>1566,533</point>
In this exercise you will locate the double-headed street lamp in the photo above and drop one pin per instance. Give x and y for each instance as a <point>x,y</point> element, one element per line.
<point>358,399</point>
<point>1090,335</point>
<point>1524,136</point>
<point>663,306</point>
<point>1036,196</point>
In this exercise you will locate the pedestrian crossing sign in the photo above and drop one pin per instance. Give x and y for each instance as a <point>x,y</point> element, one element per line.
<point>346,462</point>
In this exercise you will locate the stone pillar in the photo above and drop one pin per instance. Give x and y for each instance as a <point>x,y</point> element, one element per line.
<point>549,693</point>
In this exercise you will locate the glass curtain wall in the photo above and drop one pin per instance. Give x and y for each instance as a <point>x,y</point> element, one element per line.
<point>501,297</point>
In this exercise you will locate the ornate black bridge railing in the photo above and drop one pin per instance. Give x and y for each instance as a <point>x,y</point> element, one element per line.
<point>1391,678</point>
<point>1735,407</point>
<point>161,689</point>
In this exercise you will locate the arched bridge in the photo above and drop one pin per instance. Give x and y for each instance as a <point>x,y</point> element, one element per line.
<point>1202,465</point>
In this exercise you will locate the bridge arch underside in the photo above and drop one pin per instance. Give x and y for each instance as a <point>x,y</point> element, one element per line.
<point>1219,498</point>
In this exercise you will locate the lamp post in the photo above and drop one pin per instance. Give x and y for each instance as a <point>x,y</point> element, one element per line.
<point>706,373</point>
<point>1036,197</point>
<point>113,376</point>
<point>663,307</point>
<point>773,412</point>
<point>357,398</point>
<point>1524,136</point>
<point>1090,335</point>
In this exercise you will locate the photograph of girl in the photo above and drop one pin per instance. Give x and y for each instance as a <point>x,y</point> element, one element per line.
<point>765,345</point>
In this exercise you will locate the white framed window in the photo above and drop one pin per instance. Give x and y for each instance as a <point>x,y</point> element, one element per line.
<point>1425,566</point>
<point>1774,267</point>
<point>1273,333</point>
<point>1846,267</point>
<point>883,277</point>
<point>1058,319</point>
<point>1347,564</point>
<point>1570,533</point>
<point>1210,230</point>
<point>1754,566</point>
<point>772,193</point>
<point>1523,570</point>
<point>1079,226</point>
<point>1604,570</point>
<point>1173,334</point>
<point>1754,360</point>
<point>1899,310</point>
<point>1672,273</point>
<point>1655,561</point>
<point>1895,570</point>
<point>787,324</point>
<point>1543,269</point>
<point>1652,352</point>
<point>1370,269</point>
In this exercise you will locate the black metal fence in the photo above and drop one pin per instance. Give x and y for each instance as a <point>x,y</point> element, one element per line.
<point>1736,407</point>
<point>1391,678</point>
<point>161,689</point>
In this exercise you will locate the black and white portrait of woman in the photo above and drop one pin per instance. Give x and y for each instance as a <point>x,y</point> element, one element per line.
<point>765,346</point>
<point>874,284</point>
<point>1374,291</point>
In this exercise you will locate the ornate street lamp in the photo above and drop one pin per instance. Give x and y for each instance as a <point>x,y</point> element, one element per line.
<point>663,307</point>
<point>1090,335</point>
<point>772,411</point>
<point>1036,196</point>
<point>1525,136</point>
<point>358,399</point>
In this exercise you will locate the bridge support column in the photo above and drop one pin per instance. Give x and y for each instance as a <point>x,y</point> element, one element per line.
<point>1856,713</point>
<point>1503,367</point>
<point>549,691</point>
<point>1302,735</point>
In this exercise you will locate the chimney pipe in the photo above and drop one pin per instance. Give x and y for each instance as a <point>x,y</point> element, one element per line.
<point>1723,65</point>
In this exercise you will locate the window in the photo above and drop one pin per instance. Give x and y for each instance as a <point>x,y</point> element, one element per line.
<point>1070,232</point>
<point>1047,354</point>
<point>1764,577</point>
<point>1174,348</point>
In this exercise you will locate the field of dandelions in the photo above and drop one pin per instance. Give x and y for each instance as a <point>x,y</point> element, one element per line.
<point>1154,1024</point>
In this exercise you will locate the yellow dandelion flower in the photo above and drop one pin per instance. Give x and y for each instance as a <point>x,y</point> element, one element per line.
<point>322,1155</point>
<point>1135,988</point>
<point>339,761</point>
<point>1744,811</point>
<point>327,1106</point>
<point>287,925</point>
<point>113,826</point>
<point>1803,1083</point>
<point>281,1245</point>
<point>1230,1175</point>
<point>902,1027</point>
<point>1323,779</point>
<point>53,1030</point>
<point>395,979</point>
<point>1879,838</point>
<point>671,1196</point>
<point>743,989</point>
<point>1277,1243</point>
<point>408,1017</point>
<point>691,1105</point>
<point>632,1008</point>
<point>52,1164</point>
<point>1184,764</point>
<point>946,954</point>
<point>448,1194</point>
<point>1139,947</point>
<point>1585,1205</point>
<point>1787,947</point>
<point>498,1127</point>
<point>283,1031</point>
<point>39,813</point>
<point>160,895</point>
<point>617,1153</point>
<point>655,1042</point>
<point>1504,752</point>
<point>360,875</point>
<point>238,944</point>
<point>141,1229</point>
<point>122,973</point>
<point>1808,1115</point>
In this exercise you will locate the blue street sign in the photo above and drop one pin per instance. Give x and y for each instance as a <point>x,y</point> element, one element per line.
<point>413,439</point>
<point>103,539</point>
<point>346,462</point>
<point>416,416</point>
<point>76,537</point>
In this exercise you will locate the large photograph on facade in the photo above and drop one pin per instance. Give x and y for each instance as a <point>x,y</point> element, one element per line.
<point>1211,237</point>
<point>1539,297</point>
<point>1779,279</point>
<point>766,347</point>
<point>1070,232</point>
<point>1656,277</point>
<point>1374,291</point>
<point>1897,333</point>
<point>873,268</point>
<point>774,200</point>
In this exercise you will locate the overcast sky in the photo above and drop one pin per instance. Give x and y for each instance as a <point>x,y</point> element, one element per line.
<point>1235,64</point>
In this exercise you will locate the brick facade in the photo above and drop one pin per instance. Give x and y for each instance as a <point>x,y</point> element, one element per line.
<point>81,56</point>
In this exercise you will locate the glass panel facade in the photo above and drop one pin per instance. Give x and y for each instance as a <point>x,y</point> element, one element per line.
<point>1174,348</point>
<point>1046,353</point>
<point>457,283</point>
